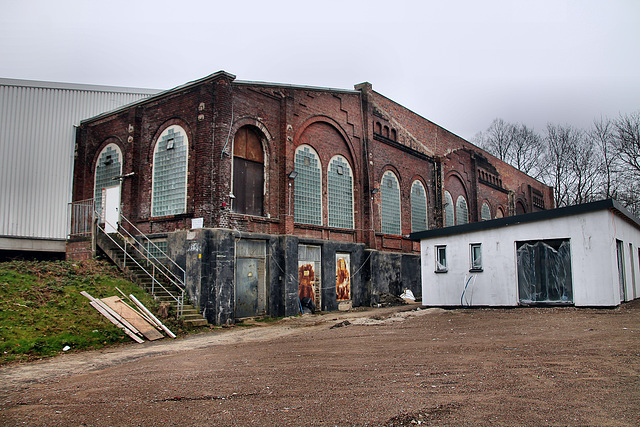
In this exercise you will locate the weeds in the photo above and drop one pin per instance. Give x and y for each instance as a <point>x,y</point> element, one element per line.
<point>42,311</point>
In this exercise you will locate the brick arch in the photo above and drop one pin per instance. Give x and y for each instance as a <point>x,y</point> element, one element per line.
<point>301,137</point>
<point>171,122</point>
<point>454,183</point>
<point>267,138</point>
<point>109,140</point>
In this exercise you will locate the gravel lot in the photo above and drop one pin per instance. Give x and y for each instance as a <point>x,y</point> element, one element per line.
<point>381,367</point>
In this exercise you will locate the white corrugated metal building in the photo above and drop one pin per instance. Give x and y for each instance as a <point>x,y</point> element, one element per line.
<point>37,137</point>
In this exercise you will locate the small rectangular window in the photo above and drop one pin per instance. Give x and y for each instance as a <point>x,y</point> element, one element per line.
<point>476,257</point>
<point>441,259</point>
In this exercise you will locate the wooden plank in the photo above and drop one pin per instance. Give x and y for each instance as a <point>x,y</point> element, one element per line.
<point>113,314</point>
<point>113,320</point>
<point>130,315</point>
<point>154,318</point>
<point>143,315</point>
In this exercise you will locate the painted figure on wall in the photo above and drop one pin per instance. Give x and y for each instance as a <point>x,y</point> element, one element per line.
<point>307,281</point>
<point>343,277</point>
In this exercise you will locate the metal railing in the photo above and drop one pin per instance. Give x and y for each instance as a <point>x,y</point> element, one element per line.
<point>83,217</point>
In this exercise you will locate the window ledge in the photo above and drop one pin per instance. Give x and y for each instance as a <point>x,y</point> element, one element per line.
<point>476,270</point>
<point>442,271</point>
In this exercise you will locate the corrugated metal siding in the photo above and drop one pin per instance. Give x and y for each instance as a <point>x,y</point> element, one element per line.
<point>37,138</point>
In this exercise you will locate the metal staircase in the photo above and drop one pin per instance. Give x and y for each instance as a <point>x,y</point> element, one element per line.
<point>145,264</point>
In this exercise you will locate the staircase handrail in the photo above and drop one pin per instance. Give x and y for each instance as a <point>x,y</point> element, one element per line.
<point>179,300</point>
<point>149,255</point>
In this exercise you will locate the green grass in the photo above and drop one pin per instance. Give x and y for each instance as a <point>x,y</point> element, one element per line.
<point>42,311</point>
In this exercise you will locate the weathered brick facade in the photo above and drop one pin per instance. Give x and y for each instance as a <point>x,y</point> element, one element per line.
<point>374,135</point>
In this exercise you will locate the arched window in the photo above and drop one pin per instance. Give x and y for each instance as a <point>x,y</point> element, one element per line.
<point>462,213</point>
<point>520,209</point>
<point>108,166</point>
<point>390,204</point>
<point>308,187</point>
<point>499,212</point>
<point>340,189</point>
<point>248,172</point>
<point>448,210</point>
<point>485,213</point>
<point>170,156</point>
<point>418,207</point>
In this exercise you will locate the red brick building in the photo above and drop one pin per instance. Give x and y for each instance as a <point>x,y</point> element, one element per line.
<point>283,183</point>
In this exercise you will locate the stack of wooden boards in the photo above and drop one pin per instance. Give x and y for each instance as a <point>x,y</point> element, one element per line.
<point>137,322</point>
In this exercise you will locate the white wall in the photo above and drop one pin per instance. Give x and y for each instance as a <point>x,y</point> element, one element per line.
<point>37,137</point>
<point>593,257</point>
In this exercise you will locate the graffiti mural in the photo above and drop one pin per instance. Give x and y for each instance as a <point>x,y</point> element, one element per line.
<point>307,281</point>
<point>343,277</point>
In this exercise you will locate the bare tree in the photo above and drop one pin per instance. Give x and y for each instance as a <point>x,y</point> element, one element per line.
<point>603,138</point>
<point>627,139</point>
<point>497,139</point>
<point>526,148</point>
<point>561,142</point>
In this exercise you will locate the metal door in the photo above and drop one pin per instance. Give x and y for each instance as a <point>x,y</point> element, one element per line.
<point>246,287</point>
<point>111,208</point>
<point>250,286</point>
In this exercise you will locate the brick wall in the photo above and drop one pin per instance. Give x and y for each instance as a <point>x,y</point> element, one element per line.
<point>371,131</point>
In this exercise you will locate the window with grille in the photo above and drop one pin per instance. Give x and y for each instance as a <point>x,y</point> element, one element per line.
<point>418,207</point>
<point>340,188</point>
<point>109,166</point>
<point>169,195</point>
<point>390,204</point>
<point>307,187</point>
<point>485,213</point>
<point>448,210</point>
<point>462,213</point>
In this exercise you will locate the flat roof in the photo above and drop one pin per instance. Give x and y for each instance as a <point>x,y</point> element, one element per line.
<point>75,86</point>
<point>609,204</point>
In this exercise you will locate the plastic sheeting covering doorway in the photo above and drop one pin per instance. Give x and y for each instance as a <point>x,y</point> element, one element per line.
<point>544,272</point>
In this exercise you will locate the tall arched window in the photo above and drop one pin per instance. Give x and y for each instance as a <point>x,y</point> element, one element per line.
<point>248,172</point>
<point>108,166</point>
<point>170,157</point>
<point>448,210</point>
<point>462,213</point>
<point>418,207</point>
<point>308,187</point>
<point>390,204</point>
<point>340,189</point>
<point>485,213</point>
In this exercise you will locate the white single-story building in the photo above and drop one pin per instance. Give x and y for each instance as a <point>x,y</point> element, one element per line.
<point>583,255</point>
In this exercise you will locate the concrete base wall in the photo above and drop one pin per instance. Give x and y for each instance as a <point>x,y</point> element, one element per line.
<point>208,257</point>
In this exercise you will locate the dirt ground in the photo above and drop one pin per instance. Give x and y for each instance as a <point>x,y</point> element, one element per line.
<point>382,367</point>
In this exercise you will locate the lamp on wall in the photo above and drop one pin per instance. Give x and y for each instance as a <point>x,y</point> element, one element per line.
<point>374,191</point>
<point>293,174</point>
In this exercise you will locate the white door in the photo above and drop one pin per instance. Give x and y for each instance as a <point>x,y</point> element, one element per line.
<point>112,209</point>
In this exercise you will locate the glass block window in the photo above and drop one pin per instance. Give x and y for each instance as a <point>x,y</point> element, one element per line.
<point>390,204</point>
<point>462,213</point>
<point>418,207</point>
<point>340,186</point>
<point>448,210</point>
<point>485,213</point>
<point>170,173</point>
<point>109,166</point>
<point>157,250</point>
<point>307,198</point>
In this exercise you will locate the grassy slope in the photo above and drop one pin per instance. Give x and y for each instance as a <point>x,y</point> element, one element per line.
<point>42,311</point>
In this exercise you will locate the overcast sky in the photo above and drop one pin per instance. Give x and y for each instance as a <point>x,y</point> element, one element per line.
<point>460,64</point>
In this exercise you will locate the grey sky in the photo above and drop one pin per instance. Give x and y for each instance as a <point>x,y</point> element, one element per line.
<point>458,63</point>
